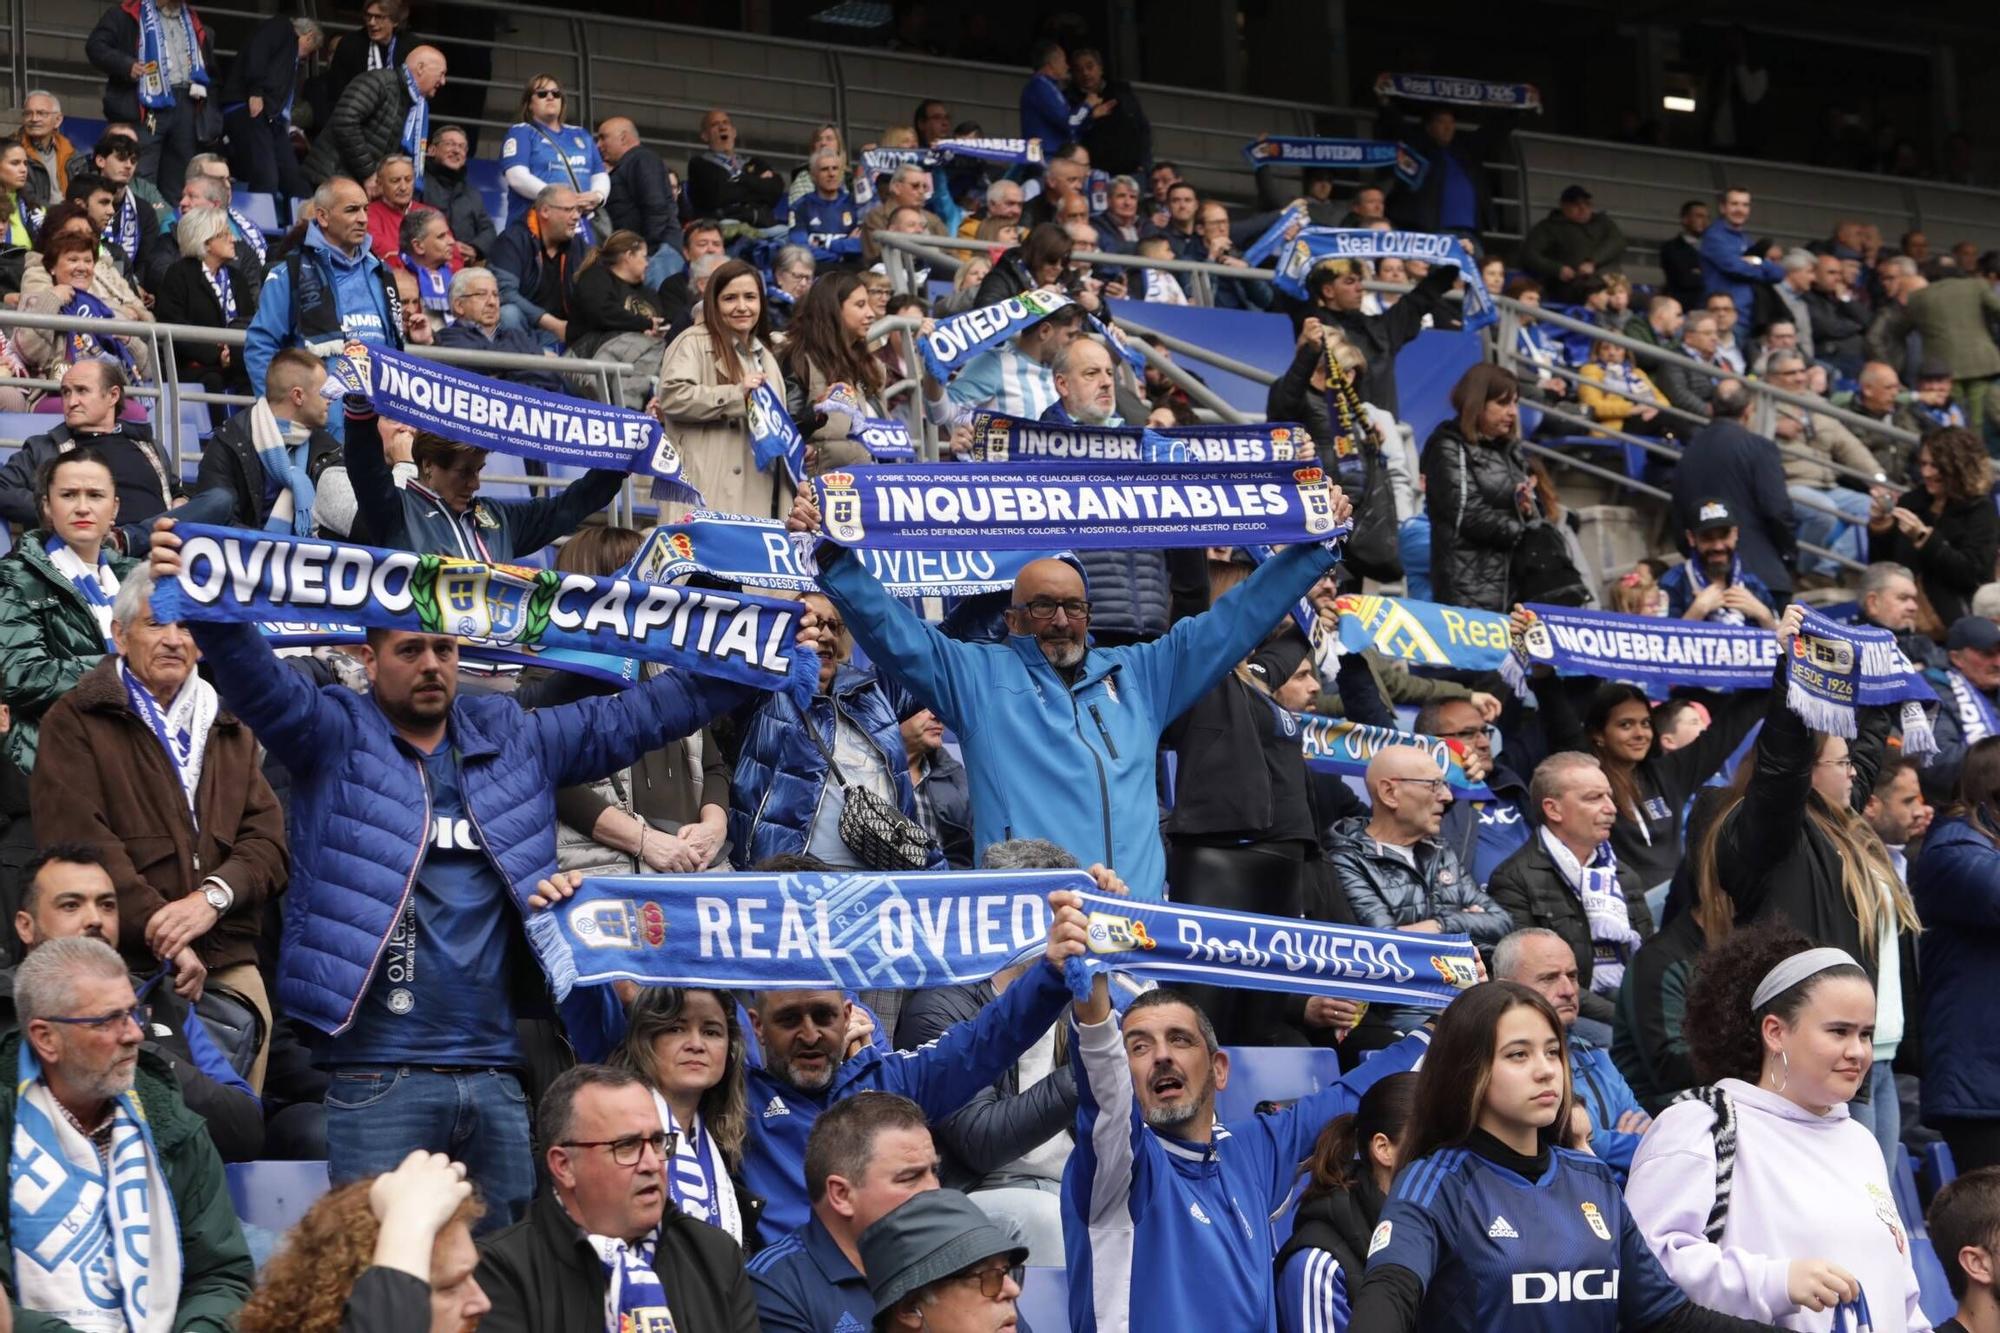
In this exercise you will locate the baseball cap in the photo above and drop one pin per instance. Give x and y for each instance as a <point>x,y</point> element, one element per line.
<point>1713,517</point>
<point>1974,632</point>
<point>1574,193</point>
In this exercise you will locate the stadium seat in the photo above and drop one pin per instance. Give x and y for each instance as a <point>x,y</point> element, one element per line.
<point>1934,1288</point>
<point>258,208</point>
<point>17,427</point>
<point>1273,1074</point>
<point>1936,1168</point>
<point>275,1195</point>
<point>1044,1303</point>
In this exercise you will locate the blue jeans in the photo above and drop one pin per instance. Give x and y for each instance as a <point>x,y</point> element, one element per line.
<point>376,1115</point>
<point>1413,545</point>
<point>1823,529</point>
<point>1882,1115</point>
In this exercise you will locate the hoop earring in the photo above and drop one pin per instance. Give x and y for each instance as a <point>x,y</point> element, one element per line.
<point>1785,1066</point>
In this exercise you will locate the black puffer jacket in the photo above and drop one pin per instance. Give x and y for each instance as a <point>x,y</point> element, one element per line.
<point>1534,892</point>
<point>1469,493</point>
<point>365,127</point>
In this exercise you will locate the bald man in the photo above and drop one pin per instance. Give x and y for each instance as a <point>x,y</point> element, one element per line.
<point>1397,875</point>
<point>1059,737</point>
<point>642,197</point>
<point>372,119</point>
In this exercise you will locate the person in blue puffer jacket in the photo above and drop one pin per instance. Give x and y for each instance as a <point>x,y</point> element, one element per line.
<point>783,798</point>
<point>418,817</point>
<point>1956,884</point>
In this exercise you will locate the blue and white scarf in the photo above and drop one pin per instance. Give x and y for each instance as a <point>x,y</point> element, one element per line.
<point>97,586</point>
<point>96,1246</point>
<point>852,931</point>
<point>1312,244</point>
<point>433,289</point>
<point>1011,152</point>
<point>1460,92</point>
<point>1291,217</point>
<point>1292,151</point>
<point>225,291</point>
<point>1596,887</point>
<point>1425,633</point>
<point>155,93</point>
<point>885,438</point>
<point>1698,580</point>
<point>1977,717</point>
<point>1336,745</point>
<point>182,730</point>
<point>955,341</point>
<point>1033,507</point>
<point>758,553</point>
<point>292,511</point>
<point>634,1299</point>
<point>774,436</point>
<point>248,232</point>
<point>999,438</point>
<point>416,125</point>
<point>698,1179</point>
<point>1835,669</point>
<point>81,346</point>
<point>125,225</point>
<point>515,419</point>
<point>240,577</point>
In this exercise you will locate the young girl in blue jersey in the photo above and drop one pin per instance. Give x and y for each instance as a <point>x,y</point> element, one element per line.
<point>540,151</point>
<point>1347,1182</point>
<point>1760,1194</point>
<point>1493,1225</point>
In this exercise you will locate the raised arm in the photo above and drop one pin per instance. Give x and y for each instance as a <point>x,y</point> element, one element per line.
<point>949,1072</point>
<point>374,481</point>
<point>550,518</point>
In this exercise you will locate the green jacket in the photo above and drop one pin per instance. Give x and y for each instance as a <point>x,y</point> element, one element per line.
<point>48,638</point>
<point>216,1274</point>
<point>1951,315</point>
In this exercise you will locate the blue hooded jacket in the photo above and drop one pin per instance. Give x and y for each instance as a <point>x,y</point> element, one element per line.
<point>357,295</point>
<point>1072,762</point>
<point>1172,1234</point>
<point>781,776</point>
<point>1726,267</point>
<point>1956,885</point>
<point>361,809</point>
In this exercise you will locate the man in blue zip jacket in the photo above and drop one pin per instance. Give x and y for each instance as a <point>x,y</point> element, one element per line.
<point>1165,1209</point>
<point>417,819</point>
<point>1727,264</point>
<point>1060,737</point>
<point>803,1035</point>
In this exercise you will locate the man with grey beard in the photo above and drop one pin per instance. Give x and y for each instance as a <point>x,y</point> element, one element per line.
<point>815,1055</point>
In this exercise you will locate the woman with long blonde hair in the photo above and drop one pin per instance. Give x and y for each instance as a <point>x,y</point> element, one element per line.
<point>1791,842</point>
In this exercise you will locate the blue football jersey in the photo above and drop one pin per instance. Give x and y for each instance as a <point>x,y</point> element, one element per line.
<point>1500,1254</point>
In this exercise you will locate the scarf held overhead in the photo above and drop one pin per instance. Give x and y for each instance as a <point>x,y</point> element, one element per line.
<point>1028,507</point>
<point>757,553</point>
<point>1312,244</point>
<point>1335,745</point>
<point>1290,151</point>
<point>998,438</point>
<point>1425,633</point>
<point>237,576</point>
<point>908,931</point>
<point>1834,669</point>
<point>508,418</point>
<point>1459,92</point>
<point>953,342</point>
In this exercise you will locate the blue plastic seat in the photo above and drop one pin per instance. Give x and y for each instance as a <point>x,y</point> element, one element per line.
<point>18,427</point>
<point>259,208</point>
<point>1273,1074</point>
<point>1936,1168</point>
<point>275,1195</point>
<point>1933,1287</point>
<point>1044,1303</point>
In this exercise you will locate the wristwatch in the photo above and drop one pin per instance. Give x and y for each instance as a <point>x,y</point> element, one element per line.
<point>218,896</point>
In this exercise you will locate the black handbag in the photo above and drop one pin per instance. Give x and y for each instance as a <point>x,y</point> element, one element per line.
<point>880,835</point>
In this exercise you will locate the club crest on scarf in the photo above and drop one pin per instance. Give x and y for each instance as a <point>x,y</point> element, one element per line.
<point>1116,934</point>
<point>842,508</point>
<point>486,603</point>
<point>1317,499</point>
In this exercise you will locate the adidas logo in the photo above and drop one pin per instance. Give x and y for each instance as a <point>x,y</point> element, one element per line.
<point>849,1324</point>
<point>1194,1211</point>
<point>1502,1229</point>
<point>777,1108</point>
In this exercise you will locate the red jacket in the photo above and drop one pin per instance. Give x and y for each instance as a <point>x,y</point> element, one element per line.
<point>385,231</point>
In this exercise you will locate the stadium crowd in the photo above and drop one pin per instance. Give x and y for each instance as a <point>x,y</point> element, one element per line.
<point>277,904</point>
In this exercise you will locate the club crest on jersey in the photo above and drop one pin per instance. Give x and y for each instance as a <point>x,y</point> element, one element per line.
<point>1379,1241</point>
<point>1885,1212</point>
<point>1592,1215</point>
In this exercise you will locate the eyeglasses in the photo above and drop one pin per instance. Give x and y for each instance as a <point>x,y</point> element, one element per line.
<point>993,1281</point>
<point>549,92</point>
<point>139,1014</point>
<point>1043,609</point>
<point>627,1150</point>
<point>831,628</point>
<point>1468,735</point>
<point>1847,764</point>
<point>1437,785</point>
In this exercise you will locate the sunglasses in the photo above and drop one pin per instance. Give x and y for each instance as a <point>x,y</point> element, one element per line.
<point>555,93</point>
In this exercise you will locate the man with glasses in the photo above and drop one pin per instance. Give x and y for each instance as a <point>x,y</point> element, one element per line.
<point>446,189</point>
<point>1567,880</point>
<point>49,150</point>
<point>68,894</point>
<point>536,261</point>
<point>1485,832</point>
<point>1059,737</point>
<point>102,1144</point>
<point>600,1248</point>
<point>1397,875</point>
<point>939,1264</point>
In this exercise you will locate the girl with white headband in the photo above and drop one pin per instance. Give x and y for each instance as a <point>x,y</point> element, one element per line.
<point>1759,1194</point>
